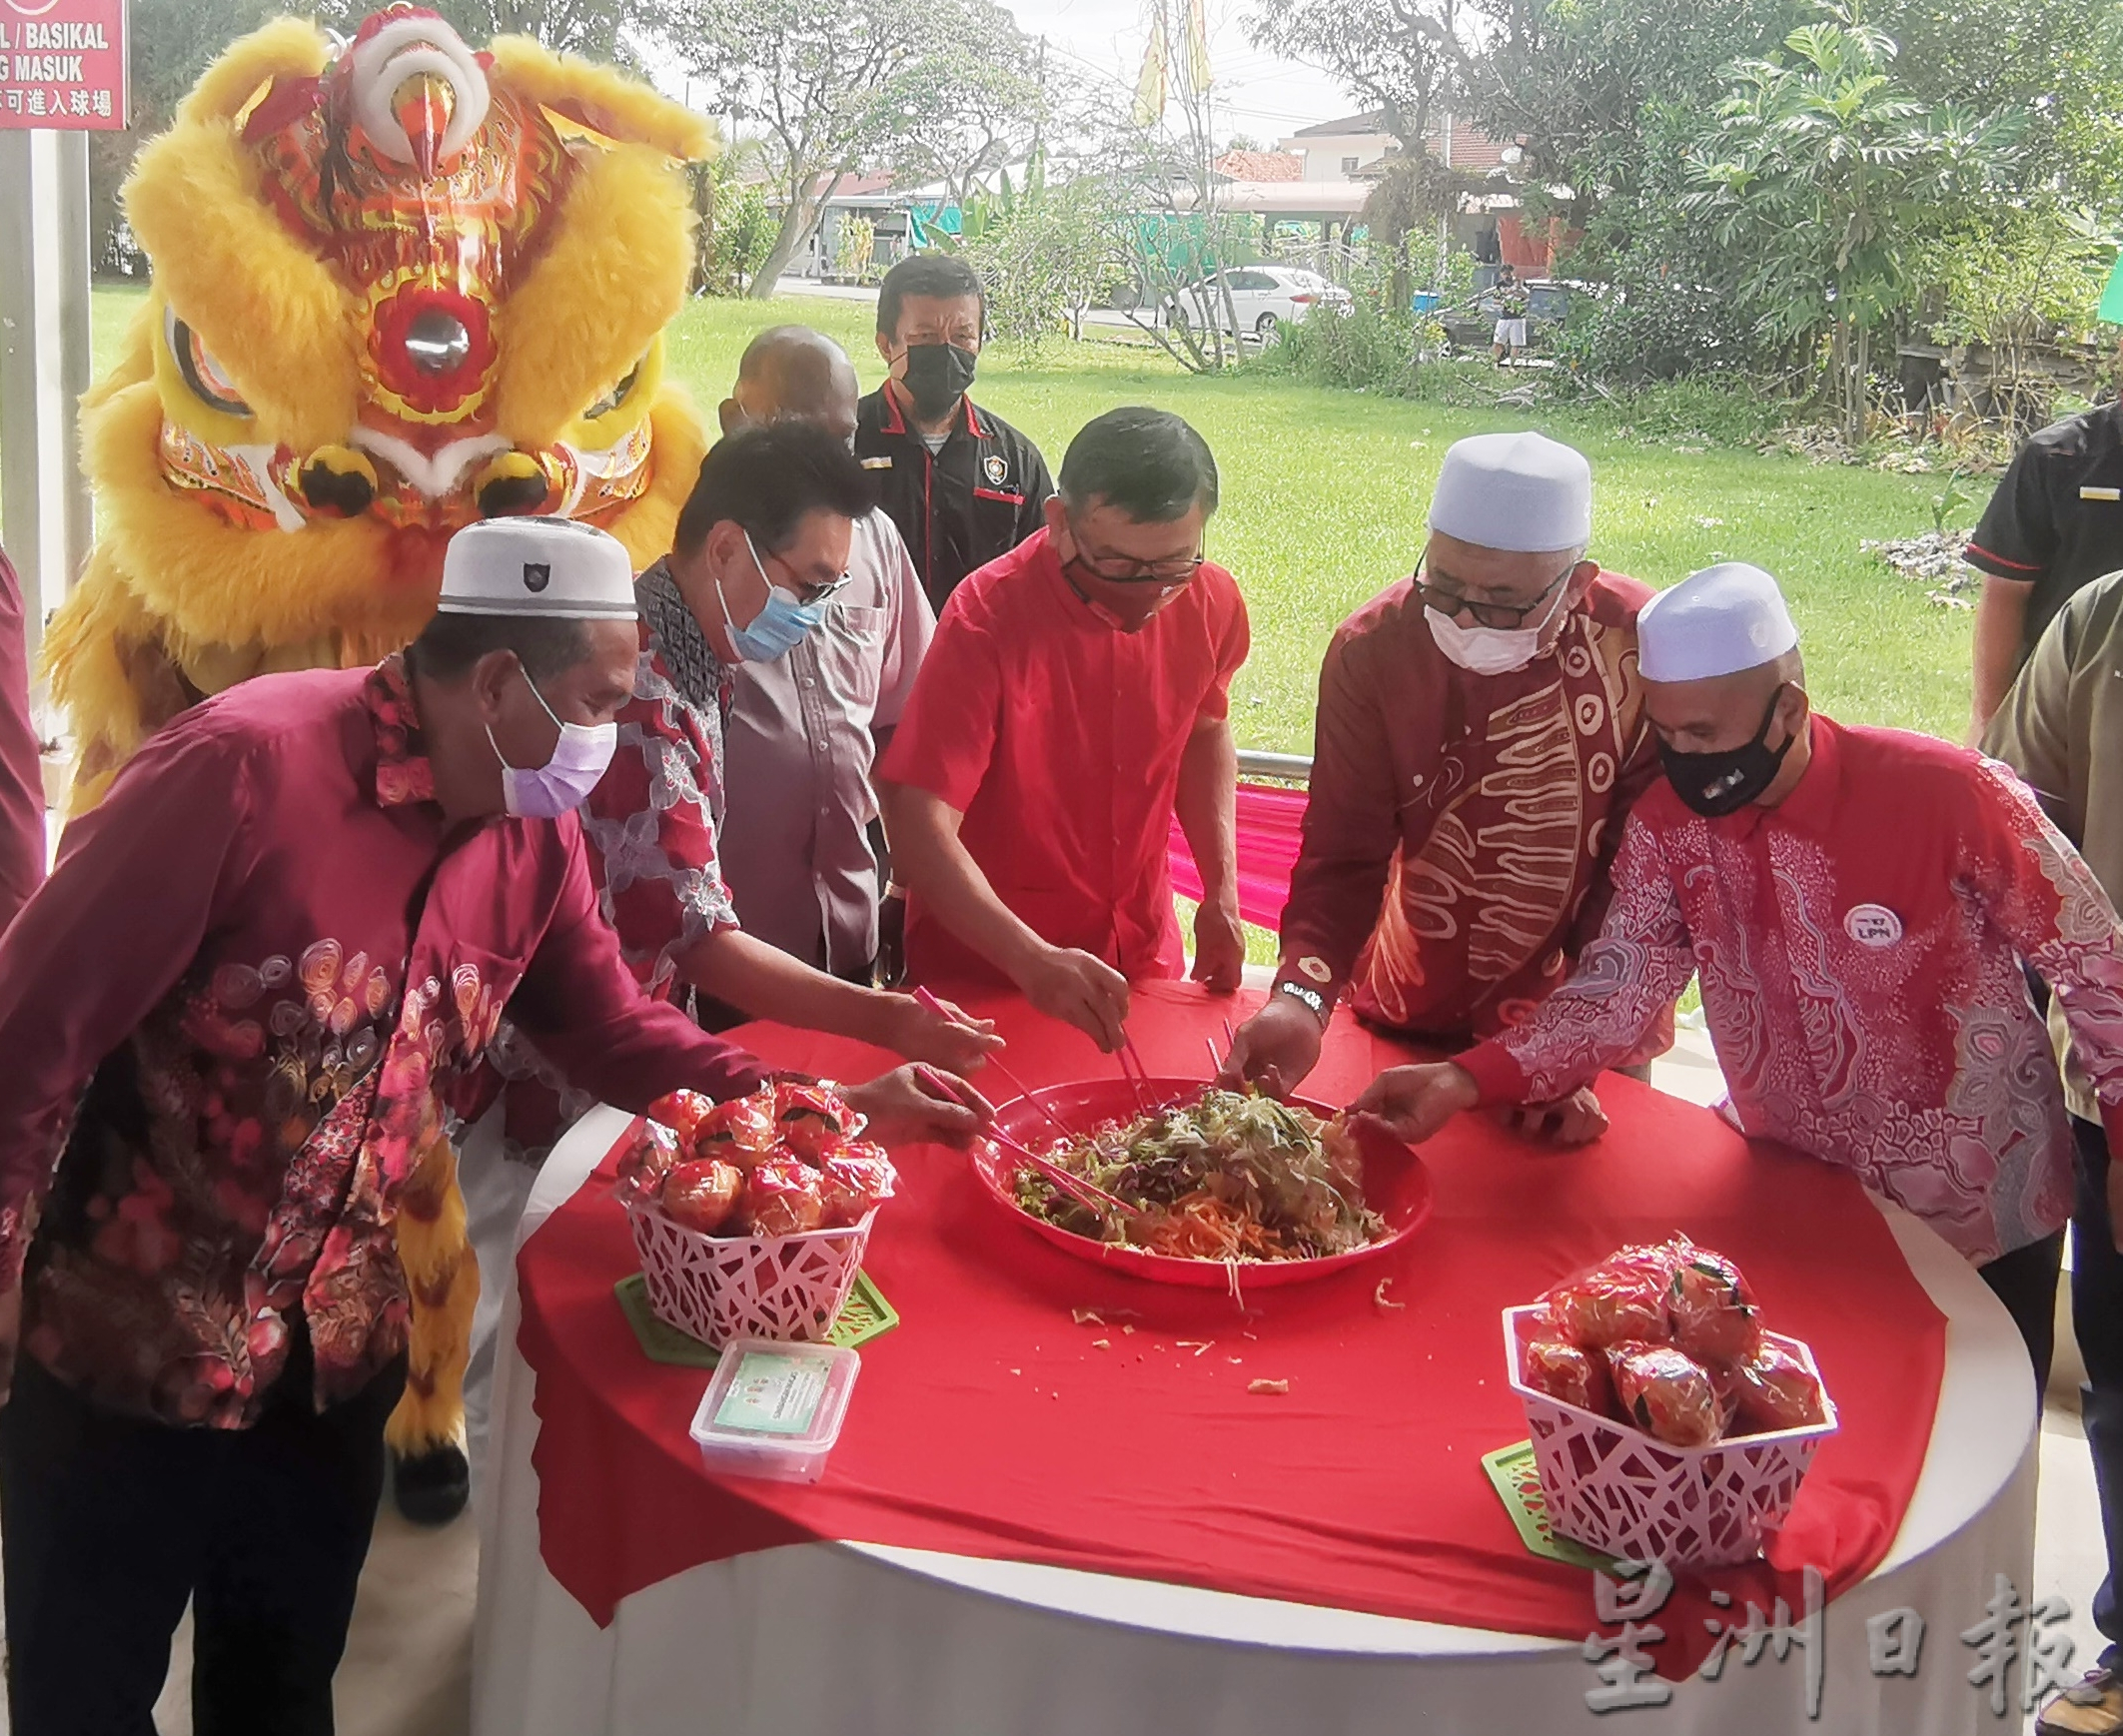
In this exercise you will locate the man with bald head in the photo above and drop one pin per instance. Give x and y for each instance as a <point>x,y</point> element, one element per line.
<point>804,729</point>
<point>1479,738</point>
<point>1862,905</point>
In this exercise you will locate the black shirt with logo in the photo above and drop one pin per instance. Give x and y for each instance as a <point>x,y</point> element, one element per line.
<point>977,498</point>
<point>2056,520</point>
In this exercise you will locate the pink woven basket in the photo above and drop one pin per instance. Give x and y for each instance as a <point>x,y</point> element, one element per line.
<point>1614,1488</point>
<point>718,1287</point>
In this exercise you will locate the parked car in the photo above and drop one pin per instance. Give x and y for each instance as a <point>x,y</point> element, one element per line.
<point>1262,297</point>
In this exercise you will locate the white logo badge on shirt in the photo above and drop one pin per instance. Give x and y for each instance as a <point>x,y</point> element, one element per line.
<point>1872,925</point>
<point>997,467</point>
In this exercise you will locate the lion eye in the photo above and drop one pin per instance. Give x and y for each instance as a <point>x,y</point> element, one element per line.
<point>206,377</point>
<point>617,395</point>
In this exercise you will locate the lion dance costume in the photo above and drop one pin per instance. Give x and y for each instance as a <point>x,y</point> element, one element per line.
<point>398,286</point>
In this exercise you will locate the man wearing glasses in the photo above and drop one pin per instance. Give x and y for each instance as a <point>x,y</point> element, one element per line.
<point>1074,701</point>
<point>804,729</point>
<point>1479,738</point>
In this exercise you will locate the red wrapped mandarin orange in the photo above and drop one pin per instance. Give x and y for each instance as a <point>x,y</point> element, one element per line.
<point>1570,1374</point>
<point>703,1194</point>
<point>783,1197</point>
<point>1667,1393</point>
<point>1622,1299</point>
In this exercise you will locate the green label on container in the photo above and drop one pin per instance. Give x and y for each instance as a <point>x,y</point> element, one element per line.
<point>773,1392</point>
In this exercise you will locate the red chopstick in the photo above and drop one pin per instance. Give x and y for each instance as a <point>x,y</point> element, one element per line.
<point>1086,1193</point>
<point>1133,1070</point>
<point>1025,1091</point>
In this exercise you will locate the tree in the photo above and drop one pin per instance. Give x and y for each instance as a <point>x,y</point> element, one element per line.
<point>735,229</point>
<point>1402,56</point>
<point>1046,255</point>
<point>616,32</point>
<point>1416,192</point>
<point>834,83</point>
<point>968,109</point>
<point>1818,175</point>
<point>1575,81</point>
<point>2018,280</point>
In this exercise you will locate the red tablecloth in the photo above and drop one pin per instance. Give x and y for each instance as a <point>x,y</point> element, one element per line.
<point>990,1424</point>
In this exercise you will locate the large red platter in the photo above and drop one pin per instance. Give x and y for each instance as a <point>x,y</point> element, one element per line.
<point>1396,1186</point>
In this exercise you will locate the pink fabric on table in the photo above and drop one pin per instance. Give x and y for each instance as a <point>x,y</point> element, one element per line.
<point>1270,820</point>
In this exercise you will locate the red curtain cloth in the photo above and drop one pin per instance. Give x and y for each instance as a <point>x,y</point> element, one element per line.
<point>991,1423</point>
<point>1269,818</point>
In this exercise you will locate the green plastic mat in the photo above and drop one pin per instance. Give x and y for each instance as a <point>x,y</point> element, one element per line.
<point>864,1316</point>
<point>1518,1483</point>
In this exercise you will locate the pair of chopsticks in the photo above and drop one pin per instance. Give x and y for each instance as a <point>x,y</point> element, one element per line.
<point>1230,1042</point>
<point>1134,1072</point>
<point>1085,1193</point>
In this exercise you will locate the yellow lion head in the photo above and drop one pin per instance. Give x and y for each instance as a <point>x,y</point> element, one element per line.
<point>397,287</point>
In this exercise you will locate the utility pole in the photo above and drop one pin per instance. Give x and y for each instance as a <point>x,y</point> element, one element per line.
<point>49,104</point>
<point>44,363</point>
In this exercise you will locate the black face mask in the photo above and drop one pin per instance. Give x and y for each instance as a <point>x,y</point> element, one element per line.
<point>1724,783</point>
<point>937,376</point>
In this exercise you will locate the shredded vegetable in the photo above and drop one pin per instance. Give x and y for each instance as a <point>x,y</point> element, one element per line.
<point>1230,1177</point>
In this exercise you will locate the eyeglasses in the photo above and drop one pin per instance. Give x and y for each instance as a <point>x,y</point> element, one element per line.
<point>1486,614</point>
<point>1124,572</point>
<point>806,593</point>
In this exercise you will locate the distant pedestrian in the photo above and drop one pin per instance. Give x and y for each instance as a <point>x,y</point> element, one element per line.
<point>1510,296</point>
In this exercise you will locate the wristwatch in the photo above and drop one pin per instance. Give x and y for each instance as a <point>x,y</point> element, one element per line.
<point>1312,998</point>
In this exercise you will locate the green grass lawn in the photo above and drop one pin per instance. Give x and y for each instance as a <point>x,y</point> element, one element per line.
<point>1324,494</point>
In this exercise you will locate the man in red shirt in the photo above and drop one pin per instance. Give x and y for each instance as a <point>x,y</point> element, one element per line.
<point>1075,698</point>
<point>295,918</point>
<point>1481,738</point>
<point>1862,905</point>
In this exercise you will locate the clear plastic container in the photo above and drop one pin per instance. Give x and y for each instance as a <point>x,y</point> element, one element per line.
<point>774,1409</point>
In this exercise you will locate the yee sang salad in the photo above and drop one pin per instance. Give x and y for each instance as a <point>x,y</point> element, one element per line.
<point>786,1160</point>
<point>1229,1177</point>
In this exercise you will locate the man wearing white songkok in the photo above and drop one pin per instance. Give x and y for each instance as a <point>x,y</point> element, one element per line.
<point>292,923</point>
<point>1861,904</point>
<point>1480,739</point>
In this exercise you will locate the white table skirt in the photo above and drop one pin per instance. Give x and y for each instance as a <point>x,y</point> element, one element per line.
<point>831,1638</point>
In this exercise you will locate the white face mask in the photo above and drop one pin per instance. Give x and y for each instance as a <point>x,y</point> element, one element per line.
<point>1489,650</point>
<point>563,784</point>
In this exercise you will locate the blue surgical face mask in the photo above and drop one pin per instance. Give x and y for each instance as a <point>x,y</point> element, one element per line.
<point>779,628</point>
<point>564,782</point>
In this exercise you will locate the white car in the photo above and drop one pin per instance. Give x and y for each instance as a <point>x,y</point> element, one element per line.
<point>1262,297</point>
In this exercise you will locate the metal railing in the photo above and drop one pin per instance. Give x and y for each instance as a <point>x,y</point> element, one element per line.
<point>1293,768</point>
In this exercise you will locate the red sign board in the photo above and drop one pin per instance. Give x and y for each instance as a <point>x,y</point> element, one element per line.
<point>63,64</point>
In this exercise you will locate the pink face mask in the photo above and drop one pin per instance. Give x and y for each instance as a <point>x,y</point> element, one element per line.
<point>563,784</point>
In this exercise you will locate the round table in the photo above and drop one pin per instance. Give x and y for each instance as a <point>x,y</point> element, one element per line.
<point>829,1637</point>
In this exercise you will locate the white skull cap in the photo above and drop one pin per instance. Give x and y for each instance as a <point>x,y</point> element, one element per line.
<point>1719,621</point>
<point>1521,493</point>
<point>537,567</point>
